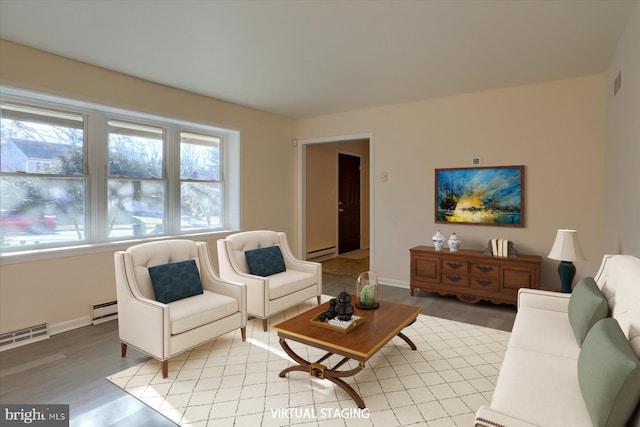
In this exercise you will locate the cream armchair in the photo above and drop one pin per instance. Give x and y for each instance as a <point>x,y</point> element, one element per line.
<point>163,330</point>
<point>274,293</point>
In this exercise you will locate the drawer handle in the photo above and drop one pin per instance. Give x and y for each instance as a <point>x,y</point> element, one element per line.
<point>483,282</point>
<point>454,264</point>
<point>454,278</point>
<point>484,268</point>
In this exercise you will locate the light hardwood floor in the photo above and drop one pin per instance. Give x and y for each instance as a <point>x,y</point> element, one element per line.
<point>70,368</point>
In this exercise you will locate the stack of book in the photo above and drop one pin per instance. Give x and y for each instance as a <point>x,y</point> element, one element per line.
<point>500,247</point>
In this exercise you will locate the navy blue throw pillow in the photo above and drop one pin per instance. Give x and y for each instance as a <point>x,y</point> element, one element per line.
<point>175,281</point>
<point>265,261</point>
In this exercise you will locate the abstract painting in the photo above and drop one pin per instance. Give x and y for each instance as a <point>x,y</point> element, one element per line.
<point>480,195</point>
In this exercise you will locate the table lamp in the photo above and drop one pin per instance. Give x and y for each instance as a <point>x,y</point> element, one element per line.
<point>566,249</point>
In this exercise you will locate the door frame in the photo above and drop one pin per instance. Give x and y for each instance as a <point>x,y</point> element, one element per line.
<point>302,189</point>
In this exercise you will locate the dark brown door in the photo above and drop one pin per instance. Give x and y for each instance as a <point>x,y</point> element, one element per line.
<point>348,203</point>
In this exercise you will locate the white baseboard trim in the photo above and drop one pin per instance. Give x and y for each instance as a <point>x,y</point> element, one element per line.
<point>395,283</point>
<point>68,325</point>
<point>105,319</point>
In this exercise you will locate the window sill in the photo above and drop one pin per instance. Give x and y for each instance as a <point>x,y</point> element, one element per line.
<point>88,249</point>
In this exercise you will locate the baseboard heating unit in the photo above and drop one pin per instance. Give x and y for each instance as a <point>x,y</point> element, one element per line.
<point>321,254</point>
<point>23,336</point>
<point>104,312</point>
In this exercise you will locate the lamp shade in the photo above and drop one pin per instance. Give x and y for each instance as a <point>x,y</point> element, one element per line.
<point>567,247</point>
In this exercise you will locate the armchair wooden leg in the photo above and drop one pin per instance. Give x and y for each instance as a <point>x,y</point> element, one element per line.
<point>165,368</point>
<point>319,298</point>
<point>243,331</point>
<point>123,349</point>
<point>265,323</point>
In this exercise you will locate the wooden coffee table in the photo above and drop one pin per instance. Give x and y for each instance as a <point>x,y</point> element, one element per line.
<point>379,327</point>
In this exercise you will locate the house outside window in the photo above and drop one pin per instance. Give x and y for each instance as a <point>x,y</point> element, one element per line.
<point>81,174</point>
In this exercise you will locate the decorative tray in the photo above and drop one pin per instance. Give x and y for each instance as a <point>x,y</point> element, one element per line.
<point>338,325</point>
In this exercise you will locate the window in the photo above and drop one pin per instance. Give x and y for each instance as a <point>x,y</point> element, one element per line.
<point>43,177</point>
<point>136,184</point>
<point>75,173</point>
<point>200,185</point>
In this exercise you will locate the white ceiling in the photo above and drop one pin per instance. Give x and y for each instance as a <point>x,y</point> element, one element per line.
<point>307,58</point>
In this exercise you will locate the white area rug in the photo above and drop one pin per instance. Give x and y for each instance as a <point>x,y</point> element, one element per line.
<point>229,382</point>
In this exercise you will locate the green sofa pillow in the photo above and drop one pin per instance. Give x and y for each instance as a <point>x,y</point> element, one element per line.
<point>176,280</point>
<point>609,375</point>
<point>587,305</point>
<point>265,261</point>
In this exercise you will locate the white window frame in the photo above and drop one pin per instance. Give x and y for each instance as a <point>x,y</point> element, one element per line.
<point>96,160</point>
<point>180,181</point>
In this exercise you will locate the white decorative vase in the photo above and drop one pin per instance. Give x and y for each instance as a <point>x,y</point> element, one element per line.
<point>438,241</point>
<point>454,243</point>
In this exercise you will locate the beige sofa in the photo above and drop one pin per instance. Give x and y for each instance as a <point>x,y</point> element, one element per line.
<point>538,383</point>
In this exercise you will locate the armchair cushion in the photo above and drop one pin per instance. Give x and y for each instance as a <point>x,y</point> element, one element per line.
<point>608,374</point>
<point>265,261</point>
<point>587,306</point>
<point>289,282</point>
<point>175,281</point>
<point>187,314</point>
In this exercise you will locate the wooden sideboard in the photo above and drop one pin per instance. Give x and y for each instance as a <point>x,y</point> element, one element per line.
<point>471,275</point>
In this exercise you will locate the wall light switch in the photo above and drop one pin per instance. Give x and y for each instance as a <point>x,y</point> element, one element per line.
<point>384,176</point>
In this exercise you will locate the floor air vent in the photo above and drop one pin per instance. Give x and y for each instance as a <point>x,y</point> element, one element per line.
<point>104,312</point>
<point>23,336</point>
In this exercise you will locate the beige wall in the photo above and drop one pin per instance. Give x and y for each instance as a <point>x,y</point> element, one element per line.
<point>61,290</point>
<point>622,154</point>
<point>322,192</point>
<point>555,129</point>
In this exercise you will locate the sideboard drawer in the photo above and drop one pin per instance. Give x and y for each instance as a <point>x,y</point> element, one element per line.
<point>451,265</point>
<point>455,280</point>
<point>485,269</point>
<point>484,282</point>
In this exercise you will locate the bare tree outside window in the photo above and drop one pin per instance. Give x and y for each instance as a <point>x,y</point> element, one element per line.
<point>136,204</point>
<point>200,187</point>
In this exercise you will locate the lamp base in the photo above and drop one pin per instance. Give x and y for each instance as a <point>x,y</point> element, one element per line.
<point>567,272</point>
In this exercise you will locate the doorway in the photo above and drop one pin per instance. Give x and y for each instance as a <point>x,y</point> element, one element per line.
<point>318,191</point>
<point>348,203</point>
